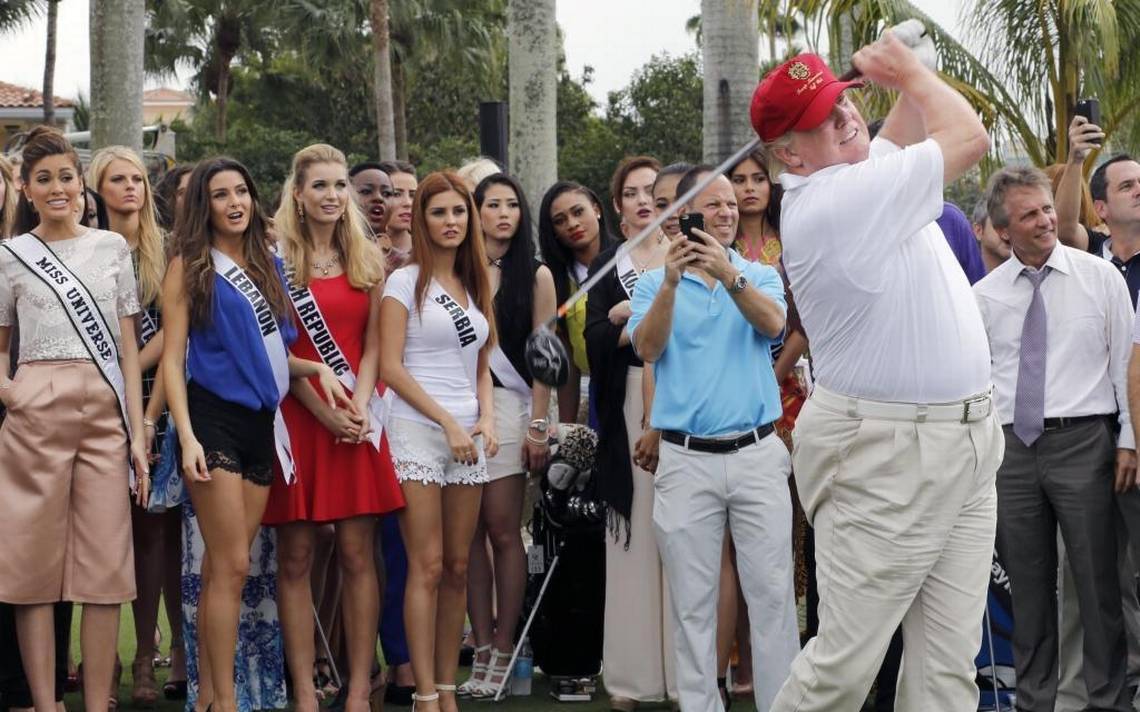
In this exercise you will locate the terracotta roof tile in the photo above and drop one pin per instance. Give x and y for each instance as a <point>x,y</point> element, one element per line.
<point>18,97</point>
<point>167,95</point>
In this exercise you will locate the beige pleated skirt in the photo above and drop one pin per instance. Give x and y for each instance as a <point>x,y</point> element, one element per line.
<point>65,519</point>
<point>637,649</point>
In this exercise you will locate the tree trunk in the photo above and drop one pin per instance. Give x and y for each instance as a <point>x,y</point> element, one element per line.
<point>533,79</point>
<point>382,80</point>
<point>223,104</point>
<point>400,110</point>
<point>117,29</point>
<point>731,58</point>
<point>49,62</point>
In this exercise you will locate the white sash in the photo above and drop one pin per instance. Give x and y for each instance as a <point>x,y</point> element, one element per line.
<point>464,329</point>
<point>319,333</point>
<point>147,327</point>
<point>508,375</point>
<point>81,309</point>
<point>274,348</point>
<point>627,273</point>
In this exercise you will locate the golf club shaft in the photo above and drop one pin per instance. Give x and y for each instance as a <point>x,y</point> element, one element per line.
<point>652,227</point>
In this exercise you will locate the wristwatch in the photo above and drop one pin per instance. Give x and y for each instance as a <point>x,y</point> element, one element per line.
<point>540,424</point>
<point>738,284</point>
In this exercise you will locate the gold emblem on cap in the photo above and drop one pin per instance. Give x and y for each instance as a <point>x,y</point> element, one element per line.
<point>799,70</point>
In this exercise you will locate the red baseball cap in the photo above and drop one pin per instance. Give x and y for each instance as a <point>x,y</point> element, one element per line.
<point>795,96</point>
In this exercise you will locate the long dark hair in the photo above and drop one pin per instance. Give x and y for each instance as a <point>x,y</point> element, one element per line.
<point>514,302</point>
<point>166,194</point>
<point>102,221</point>
<point>558,256</point>
<point>775,190</point>
<point>195,237</point>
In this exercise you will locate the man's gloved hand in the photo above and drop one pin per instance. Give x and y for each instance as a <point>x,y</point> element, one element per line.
<point>913,34</point>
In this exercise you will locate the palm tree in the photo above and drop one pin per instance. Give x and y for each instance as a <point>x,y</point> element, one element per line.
<point>534,47</point>
<point>207,36</point>
<point>465,34</point>
<point>15,14</point>
<point>730,55</point>
<point>117,72</point>
<point>1045,54</point>
<point>382,81</point>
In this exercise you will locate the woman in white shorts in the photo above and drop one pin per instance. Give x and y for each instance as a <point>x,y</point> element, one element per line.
<point>437,329</point>
<point>524,299</point>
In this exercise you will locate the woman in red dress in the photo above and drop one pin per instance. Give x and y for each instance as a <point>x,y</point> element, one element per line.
<point>344,472</point>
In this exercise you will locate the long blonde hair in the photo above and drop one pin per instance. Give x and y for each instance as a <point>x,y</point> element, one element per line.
<point>11,197</point>
<point>150,238</point>
<point>361,260</point>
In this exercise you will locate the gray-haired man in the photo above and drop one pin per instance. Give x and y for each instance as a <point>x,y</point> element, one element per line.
<point>1059,323</point>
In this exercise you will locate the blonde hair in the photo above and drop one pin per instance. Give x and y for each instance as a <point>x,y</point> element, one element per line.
<point>774,165</point>
<point>150,239</point>
<point>362,262</point>
<point>11,197</point>
<point>475,170</point>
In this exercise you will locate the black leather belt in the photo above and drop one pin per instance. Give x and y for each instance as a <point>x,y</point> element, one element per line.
<point>717,445</point>
<point>1056,423</point>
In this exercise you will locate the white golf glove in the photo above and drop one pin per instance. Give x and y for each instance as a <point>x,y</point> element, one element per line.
<point>913,34</point>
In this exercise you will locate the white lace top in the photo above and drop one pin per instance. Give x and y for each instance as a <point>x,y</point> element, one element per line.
<point>101,260</point>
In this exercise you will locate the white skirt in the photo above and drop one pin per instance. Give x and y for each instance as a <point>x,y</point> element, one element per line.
<point>512,419</point>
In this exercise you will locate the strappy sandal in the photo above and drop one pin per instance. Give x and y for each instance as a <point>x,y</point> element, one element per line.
<point>417,697</point>
<point>496,675</point>
<point>478,674</point>
<point>145,690</point>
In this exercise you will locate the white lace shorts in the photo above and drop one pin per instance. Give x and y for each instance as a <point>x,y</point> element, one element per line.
<point>421,454</point>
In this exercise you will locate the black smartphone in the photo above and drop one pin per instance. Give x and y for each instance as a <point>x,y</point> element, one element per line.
<point>690,221</point>
<point>1090,109</point>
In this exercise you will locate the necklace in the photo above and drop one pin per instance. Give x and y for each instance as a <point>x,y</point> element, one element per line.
<point>495,262</point>
<point>638,264</point>
<point>328,264</point>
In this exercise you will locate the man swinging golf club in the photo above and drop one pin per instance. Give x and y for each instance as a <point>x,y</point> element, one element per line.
<point>897,449</point>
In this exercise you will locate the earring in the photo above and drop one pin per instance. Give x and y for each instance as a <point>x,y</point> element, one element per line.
<point>300,213</point>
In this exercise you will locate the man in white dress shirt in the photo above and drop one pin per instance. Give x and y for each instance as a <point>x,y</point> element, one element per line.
<point>896,451</point>
<point>1059,323</point>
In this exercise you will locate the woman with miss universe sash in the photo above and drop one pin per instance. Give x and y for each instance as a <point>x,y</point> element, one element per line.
<point>226,369</point>
<point>437,331</point>
<point>73,406</point>
<point>344,469</point>
<point>637,641</point>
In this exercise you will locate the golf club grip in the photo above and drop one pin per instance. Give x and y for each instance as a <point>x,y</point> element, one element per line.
<point>648,230</point>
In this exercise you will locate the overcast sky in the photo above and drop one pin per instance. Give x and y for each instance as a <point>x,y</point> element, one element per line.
<point>615,37</point>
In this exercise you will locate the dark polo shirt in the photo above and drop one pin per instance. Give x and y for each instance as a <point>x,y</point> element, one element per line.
<point>1129,269</point>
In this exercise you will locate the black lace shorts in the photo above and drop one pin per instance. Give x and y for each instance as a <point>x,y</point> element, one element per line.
<point>235,438</point>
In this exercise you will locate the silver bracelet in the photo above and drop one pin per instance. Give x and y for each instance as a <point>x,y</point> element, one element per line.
<point>536,441</point>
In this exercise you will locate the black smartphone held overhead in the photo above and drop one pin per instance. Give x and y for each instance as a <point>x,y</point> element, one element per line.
<point>1090,109</point>
<point>690,221</point>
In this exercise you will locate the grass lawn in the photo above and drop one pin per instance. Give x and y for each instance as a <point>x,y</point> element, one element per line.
<point>539,700</point>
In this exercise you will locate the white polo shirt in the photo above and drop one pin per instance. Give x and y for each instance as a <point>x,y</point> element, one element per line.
<point>887,310</point>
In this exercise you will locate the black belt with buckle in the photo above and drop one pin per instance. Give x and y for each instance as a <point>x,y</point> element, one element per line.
<point>716,445</point>
<point>1057,423</point>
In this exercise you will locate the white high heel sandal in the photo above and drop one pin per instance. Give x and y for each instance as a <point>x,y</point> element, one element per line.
<point>417,697</point>
<point>478,673</point>
<point>490,686</point>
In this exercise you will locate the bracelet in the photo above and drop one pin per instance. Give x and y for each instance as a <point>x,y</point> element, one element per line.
<point>148,423</point>
<point>536,441</point>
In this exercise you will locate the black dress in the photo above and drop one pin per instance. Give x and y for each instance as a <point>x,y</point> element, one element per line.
<point>609,366</point>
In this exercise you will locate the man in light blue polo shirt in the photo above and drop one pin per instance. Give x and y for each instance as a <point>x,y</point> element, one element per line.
<point>706,321</point>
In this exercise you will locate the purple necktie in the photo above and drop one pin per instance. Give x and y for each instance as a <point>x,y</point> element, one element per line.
<point>1029,402</point>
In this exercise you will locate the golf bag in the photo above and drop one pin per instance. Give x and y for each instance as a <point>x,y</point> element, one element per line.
<point>995,660</point>
<point>569,524</point>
